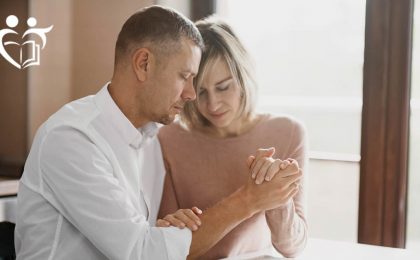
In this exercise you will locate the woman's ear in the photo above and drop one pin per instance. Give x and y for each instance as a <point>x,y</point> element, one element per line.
<point>140,62</point>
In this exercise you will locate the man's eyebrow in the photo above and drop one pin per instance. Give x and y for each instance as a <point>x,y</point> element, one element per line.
<point>190,72</point>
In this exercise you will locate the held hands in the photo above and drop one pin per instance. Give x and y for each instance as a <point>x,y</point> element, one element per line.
<point>263,167</point>
<point>282,183</point>
<point>281,180</point>
<point>182,218</point>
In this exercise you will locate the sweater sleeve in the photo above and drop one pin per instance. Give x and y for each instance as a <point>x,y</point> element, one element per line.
<point>169,203</point>
<point>288,223</point>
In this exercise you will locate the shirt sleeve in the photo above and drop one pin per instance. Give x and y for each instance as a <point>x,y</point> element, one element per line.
<point>78,180</point>
<point>288,223</point>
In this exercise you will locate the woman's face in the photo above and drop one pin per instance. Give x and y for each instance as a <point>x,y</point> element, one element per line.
<point>219,98</point>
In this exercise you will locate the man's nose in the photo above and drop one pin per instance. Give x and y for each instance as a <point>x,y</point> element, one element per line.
<point>189,93</point>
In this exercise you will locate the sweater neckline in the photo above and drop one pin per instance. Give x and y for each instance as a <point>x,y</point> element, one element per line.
<point>263,118</point>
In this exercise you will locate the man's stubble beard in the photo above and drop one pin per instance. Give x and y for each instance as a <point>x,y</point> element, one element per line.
<point>166,120</point>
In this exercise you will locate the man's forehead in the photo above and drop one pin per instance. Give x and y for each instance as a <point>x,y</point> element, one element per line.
<point>188,56</point>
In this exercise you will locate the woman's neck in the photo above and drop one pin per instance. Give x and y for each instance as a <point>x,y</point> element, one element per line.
<point>238,128</point>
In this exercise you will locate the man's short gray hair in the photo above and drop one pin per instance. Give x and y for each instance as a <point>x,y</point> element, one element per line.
<point>159,27</point>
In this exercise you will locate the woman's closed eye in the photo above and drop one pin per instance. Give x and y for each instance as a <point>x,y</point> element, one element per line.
<point>223,87</point>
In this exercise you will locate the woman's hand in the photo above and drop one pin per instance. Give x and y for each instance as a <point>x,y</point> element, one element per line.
<point>182,218</point>
<point>264,167</point>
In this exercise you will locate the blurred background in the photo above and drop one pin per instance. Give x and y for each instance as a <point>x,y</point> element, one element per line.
<point>309,58</point>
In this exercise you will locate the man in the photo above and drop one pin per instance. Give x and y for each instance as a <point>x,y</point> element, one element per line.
<point>93,180</point>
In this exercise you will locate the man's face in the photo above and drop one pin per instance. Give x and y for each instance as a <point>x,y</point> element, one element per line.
<point>172,82</point>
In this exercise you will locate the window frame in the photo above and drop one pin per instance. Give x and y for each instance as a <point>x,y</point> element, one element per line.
<point>385,123</point>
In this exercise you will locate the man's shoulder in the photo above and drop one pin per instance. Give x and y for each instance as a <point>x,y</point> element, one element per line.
<point>78,114</point>
<point>74,117</point>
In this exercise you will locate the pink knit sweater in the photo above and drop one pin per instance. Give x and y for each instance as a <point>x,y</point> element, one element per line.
<point>201,170</point>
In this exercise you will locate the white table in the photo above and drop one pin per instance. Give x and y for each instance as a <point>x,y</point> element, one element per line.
<point>336,250</point>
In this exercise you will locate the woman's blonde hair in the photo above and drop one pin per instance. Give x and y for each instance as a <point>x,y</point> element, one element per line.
<point>220,42</point>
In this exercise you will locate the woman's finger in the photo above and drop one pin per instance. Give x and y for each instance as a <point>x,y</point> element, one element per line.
<point>263,153</point>
<point>192,216</point>
<point>257,167</point>
<point>197,210</point>
<point>263,170</point>
<point>162,223</point>
<point>190,223</point>
<point>249,161</point>
<point>284,164</point>
<point>174,221</point>
<point>273,170</point>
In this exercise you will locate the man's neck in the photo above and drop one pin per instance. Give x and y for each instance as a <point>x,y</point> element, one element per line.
<point>125,99</point>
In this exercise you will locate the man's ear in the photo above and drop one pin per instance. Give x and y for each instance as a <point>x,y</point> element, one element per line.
<point>141,63</point>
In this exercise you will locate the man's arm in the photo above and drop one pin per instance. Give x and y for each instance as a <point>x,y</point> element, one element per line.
<point>251,198</point>
<point>80,182</point>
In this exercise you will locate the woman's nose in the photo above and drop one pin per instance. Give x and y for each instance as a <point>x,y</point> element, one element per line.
<point>213,102</point>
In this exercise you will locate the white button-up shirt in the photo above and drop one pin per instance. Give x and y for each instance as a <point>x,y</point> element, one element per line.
<point>91,189</point>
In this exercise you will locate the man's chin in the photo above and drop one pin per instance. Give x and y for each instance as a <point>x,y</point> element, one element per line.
<point>166,120</point>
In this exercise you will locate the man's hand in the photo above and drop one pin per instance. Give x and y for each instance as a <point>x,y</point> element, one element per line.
<point>248,200</point>
<point>182,218</point>
<point>275,193</point>
<point>279,190</point>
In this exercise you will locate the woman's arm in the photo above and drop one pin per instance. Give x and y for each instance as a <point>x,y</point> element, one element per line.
<point>169,203</point>
<point>170,213</point>
<point>288,223</point>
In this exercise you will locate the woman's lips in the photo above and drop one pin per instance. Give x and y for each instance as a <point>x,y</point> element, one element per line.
<point>218,115</point>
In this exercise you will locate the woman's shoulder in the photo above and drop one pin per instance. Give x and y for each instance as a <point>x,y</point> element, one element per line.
<point>174,128</point>
<point>284,132</point>
<point>272,122</point>
<point>174,133</point>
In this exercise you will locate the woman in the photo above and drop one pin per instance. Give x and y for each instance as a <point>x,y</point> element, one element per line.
<point>205,152</point>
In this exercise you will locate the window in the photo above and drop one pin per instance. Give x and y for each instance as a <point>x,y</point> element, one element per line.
<point>413,216</point>
<point>309,61</point>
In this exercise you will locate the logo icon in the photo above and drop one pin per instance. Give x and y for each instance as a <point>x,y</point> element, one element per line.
<point>31,55</point>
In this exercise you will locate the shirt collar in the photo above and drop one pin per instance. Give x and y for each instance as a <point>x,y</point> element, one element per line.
<point>131,135</point>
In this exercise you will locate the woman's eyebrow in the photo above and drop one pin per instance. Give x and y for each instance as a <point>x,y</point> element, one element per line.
<point>223,80</point>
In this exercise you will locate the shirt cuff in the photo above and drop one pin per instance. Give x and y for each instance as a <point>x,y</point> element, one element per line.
<point>178,242</point>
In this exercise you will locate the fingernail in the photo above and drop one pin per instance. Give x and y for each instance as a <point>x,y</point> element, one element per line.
<point>257,182</point>
<point>194,227</point>
<point>253,176</point>
<point>267,178</point>
<point>199,223</point>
